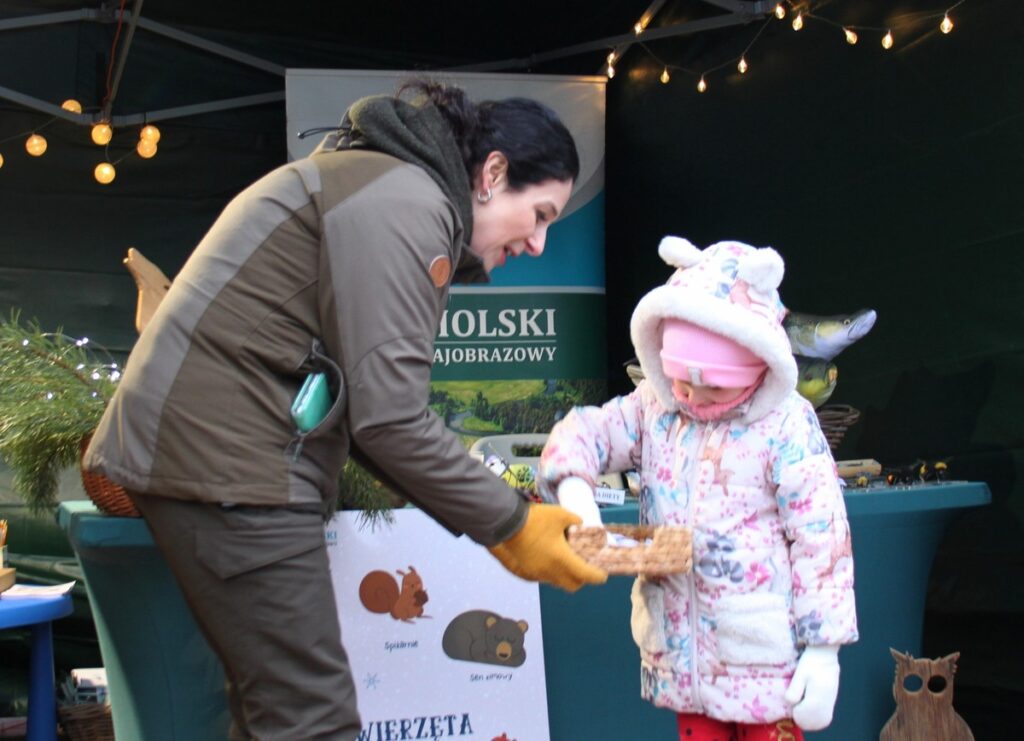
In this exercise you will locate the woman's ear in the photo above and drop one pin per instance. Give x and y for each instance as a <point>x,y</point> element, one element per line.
<point>494,171</point>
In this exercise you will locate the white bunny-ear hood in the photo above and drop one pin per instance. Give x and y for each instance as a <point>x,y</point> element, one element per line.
<point>679,252</point>
<point>729,288</point>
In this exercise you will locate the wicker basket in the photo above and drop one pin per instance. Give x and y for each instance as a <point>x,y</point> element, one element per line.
<point>88,721</point>
<point>105,494</point>
<point>668,552</point>
<point>835,420</point>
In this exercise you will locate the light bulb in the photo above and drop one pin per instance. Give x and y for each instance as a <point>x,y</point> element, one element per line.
<point>798,21</point>
<point>947,25</point>
<point>35,145</point>
<point>611,57</point>
<point>71,105</point>
<point>102,133</point>
<point>702,86</point>
<point>146,148</point>
<point>638,28</point>
<point>887,40</point>
<point>150,133</point>
<point>742,66</point>
<point>664,76</point>
<point>851,36</point>
<point>780,12</point>
<point>104,173</point>
<point>611,71</point>
<point>1,160</point>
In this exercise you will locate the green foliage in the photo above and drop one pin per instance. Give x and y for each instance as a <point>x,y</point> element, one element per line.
<point>475,424</point>
<point>53,391</point>
<point>464,392</point>
<point>359,490</point>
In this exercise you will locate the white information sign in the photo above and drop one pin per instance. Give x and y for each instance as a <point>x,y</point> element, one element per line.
<point>443,642</point>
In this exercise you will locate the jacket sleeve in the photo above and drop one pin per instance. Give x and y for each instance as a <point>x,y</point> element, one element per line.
<point>380,311</point>
<point>591,441</point>
<point>810,503</point>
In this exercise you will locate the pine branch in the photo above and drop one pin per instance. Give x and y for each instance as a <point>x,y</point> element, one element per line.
<point>53,391</point>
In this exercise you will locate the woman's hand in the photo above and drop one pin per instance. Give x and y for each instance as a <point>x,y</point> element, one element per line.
<point>540,551</point>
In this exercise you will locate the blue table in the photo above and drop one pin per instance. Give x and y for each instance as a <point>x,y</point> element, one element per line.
<point>162,675</point>
<point>593,667</point>
<point>39,613</point>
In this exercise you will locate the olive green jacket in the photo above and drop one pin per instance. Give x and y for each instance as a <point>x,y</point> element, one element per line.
<point>337,247</point>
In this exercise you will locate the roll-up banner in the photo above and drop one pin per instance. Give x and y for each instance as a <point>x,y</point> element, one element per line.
<point>534,337</point>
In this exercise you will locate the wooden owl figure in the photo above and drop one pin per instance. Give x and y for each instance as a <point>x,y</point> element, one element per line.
<point>924,701</point>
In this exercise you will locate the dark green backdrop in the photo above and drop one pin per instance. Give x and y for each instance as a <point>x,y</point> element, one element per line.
<point>891,180</point>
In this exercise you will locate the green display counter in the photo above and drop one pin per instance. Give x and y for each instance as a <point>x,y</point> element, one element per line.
<point>166,684</point>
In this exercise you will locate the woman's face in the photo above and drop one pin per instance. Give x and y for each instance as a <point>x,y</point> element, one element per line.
<point>513,222</point>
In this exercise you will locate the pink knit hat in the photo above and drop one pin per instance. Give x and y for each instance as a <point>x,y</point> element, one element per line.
<point>699,356</point>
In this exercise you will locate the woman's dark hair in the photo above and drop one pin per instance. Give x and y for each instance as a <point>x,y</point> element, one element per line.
<point>536,143</point>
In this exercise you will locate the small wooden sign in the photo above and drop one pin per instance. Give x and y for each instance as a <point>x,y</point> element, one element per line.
<point>923,689</point>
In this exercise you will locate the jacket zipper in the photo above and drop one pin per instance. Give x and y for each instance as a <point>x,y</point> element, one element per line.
<point>694,671</point>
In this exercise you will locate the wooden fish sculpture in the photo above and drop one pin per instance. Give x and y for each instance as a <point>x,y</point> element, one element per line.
<point>816,379</point>
<point>825,337</point>
<point>151,283</point>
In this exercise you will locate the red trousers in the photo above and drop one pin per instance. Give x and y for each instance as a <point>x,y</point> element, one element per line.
<point>703,728</point>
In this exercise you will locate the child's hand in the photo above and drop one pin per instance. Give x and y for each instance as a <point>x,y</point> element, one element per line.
<point>576,496</point>
<point>814,687</point>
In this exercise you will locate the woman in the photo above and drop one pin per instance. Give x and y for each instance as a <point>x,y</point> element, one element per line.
<point>340,262</point>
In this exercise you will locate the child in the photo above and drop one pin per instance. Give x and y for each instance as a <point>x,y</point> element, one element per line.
<point>746,646</point>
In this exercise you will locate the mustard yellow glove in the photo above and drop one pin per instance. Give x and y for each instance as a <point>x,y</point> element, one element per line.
<point>540,552</point>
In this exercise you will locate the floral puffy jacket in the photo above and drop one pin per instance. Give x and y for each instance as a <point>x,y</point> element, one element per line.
<point>772,561</point>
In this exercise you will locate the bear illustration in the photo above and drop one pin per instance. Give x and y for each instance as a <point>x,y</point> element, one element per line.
<point>485,637</point>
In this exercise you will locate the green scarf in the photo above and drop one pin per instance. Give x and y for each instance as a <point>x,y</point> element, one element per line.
<point>420,136</point>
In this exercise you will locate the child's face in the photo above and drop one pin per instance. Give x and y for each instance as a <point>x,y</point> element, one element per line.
<point>698,396</point>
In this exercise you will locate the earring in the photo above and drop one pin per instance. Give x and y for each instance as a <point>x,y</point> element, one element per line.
<point>485,197</point>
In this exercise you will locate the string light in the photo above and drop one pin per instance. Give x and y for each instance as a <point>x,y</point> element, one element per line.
<point>665,77</point>
<point>638,28</point>
<point>798,21</point>
<point>780,11</point>
<point>742,66</point>
<point>102,133</point>
<point>887,40</point>
<point>104,173</point>
<point>146,148</point>
<point>35,145</point>
<point>702,86</point>
<point>851,36</point>
<point>947,25</point>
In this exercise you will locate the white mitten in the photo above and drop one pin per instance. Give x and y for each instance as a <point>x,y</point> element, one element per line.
<point>576,496</point>
<point>814,687</point>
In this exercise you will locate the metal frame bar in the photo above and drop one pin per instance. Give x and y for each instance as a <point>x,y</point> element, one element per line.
<point>122,57</point>
<point>211,46</point>
<point>645,19</point>
<point>136,21</point>
<point>610,42</point>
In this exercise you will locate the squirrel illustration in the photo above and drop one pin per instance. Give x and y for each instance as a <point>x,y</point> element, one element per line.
<point>379,592</point>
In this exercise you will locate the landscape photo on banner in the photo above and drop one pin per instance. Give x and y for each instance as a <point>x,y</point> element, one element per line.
<point>514,355</point>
